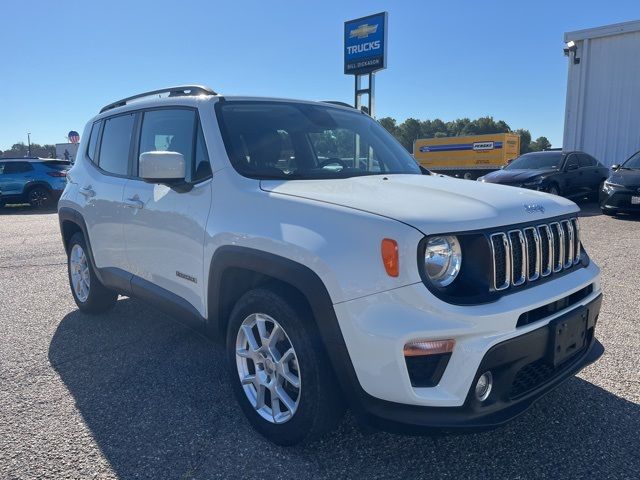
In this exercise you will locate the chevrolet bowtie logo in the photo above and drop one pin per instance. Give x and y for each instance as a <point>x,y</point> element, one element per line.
<point>363,31</point>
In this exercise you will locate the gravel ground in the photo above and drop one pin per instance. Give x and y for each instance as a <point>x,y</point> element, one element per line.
<point>134,394</point>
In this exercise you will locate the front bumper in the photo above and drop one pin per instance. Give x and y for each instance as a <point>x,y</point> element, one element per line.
<point>522,375</point>
<point>619,201</point>
<point>376,329</point>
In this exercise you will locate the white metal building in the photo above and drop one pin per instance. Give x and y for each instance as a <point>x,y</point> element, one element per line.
<point>602,115</point>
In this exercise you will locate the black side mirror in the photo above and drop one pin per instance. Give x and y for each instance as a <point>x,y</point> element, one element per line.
<point>615,167</point>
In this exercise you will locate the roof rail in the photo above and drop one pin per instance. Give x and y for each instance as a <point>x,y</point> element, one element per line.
<point>335,102</point>
<point>179,91</point>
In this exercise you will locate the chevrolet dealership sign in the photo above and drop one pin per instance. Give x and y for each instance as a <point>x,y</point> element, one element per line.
<point>365,44</point>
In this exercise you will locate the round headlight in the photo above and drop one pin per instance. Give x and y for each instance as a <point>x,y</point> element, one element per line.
<point>442,260</point>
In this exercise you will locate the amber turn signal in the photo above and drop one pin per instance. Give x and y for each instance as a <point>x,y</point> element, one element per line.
<point>389,250</point>
<point>428,347</point>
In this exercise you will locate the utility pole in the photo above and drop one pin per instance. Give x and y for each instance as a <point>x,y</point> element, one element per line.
<point>29,144</point>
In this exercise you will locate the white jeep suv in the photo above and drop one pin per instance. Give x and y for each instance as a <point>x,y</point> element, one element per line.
<point>336,271</point>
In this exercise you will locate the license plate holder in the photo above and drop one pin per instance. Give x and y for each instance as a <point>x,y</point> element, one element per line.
<point>568,335</point>
<point>635,200</point>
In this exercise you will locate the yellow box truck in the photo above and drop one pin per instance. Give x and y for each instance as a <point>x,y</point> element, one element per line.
<point>467,157</point>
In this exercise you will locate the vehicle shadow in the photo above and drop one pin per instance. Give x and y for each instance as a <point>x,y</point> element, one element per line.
<point>156,399</point>
<point>26,209</point>
<point>592,209</point>
<point>589,208</point>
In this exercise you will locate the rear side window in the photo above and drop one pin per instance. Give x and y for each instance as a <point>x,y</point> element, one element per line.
<point>586,161</point>
<point>17,167</point>
<point>93,141</point>
<point>115,144</point>
<point>176,130</point>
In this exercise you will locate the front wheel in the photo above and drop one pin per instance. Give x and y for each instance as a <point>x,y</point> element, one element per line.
<point>89,293</point>
<point>278,369</point>
<point>607,212</point>
<point>554,190</point>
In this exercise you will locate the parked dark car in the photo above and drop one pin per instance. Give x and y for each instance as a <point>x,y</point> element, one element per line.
<point>570,174</point>
<point>36,181</point>
<point>621,191</point>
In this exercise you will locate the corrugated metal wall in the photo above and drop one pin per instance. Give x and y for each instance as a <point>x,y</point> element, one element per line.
<point>603,98</point>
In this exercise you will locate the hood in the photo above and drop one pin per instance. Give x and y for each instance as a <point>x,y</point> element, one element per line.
<point>628,178</point>
<point>514,176</point>
<point>432,204</point>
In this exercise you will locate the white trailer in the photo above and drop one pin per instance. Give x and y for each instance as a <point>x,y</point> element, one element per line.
<point>67,151</point>
<point>602,114</point>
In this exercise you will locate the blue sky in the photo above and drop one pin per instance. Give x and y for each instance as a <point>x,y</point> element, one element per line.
<point>62,61</point>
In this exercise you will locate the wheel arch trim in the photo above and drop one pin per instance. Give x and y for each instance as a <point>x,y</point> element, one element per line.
<point>67,214</point>
<point>300,277</point>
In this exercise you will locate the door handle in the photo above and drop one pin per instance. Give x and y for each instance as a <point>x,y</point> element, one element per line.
<point>134,202</point>
<point>87,191</point>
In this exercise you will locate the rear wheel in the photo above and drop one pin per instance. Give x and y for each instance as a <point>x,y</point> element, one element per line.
<point>278,369</point>
<point>39,197</point>
<point>89,293</point>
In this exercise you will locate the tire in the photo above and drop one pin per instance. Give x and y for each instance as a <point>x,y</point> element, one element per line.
<point>554,189</point>
<point>609,213</point>
<point>315,406</point>
<point>90,295</point>
<point>39,197</point>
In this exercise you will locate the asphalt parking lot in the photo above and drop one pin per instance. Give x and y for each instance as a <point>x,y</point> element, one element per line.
<point>135,394</point>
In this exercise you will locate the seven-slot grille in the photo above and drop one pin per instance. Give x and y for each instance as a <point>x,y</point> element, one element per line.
<point>527,254</point>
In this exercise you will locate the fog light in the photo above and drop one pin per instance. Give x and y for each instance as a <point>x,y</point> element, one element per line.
<point>484,386</point>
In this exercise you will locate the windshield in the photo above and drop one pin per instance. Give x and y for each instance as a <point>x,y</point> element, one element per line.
<point>633,162</point>
<point>536,161</point>
<point>288,140</point>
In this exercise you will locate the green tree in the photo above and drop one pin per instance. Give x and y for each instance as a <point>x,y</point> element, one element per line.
<point>541,143</point>
<point>409,131</point>
<point>390,125</point>
<point>525,140</point>
<point>20,150</point>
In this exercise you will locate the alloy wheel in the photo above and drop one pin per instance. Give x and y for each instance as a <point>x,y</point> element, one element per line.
<point>268,368</point>
<point>38,197</point>
<point>79,271</point>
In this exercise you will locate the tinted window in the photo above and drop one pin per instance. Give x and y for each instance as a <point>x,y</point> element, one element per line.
<point>16,167</point>
<point>586,161</point>
<point>633,161</point>
<point>93,141</point>
<point>291,140</point>
<point>116,141</point>
<point>170,130</point>
<point>571,160</point>
<point>536,161</point>
<point>201,168</point>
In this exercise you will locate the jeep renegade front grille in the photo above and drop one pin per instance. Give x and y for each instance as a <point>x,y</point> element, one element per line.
<point>526,254</point>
